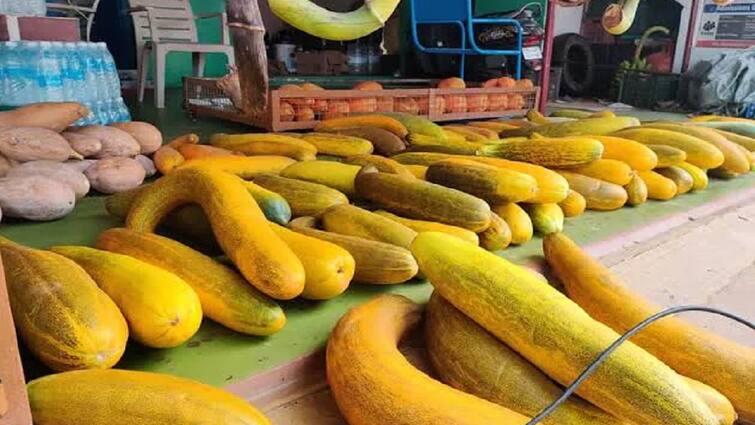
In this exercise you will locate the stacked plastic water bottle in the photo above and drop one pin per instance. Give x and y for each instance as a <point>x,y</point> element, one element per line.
<point>42,71</point>
<point>23,7</point>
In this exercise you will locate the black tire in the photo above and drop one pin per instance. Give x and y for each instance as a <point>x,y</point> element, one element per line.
<point>574,54</point>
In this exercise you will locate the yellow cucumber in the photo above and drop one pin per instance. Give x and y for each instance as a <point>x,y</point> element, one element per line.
<point>681,178</point>
<point>546,218</point>
<point>225,296</point>
<point>609,170</point>
<point>699,152</point>
<point>518,220</point>
<point>659,187</point>
<point>699,177</point>
<point>328,173</point>
<point>161,309</point>
<point>599,195</point>
<point>667,156</point>
<point>431,226</point>
<point>510,303</point>
<point>574,205</point>
<point>637,191</point>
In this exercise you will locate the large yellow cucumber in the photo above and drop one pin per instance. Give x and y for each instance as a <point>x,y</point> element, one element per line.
<point>636,155</point>
<point>488,182</point>
<point>329,173</point>
<point>555,334</point>
<point>374,384</point>
<point>418,199</point>
<point>161,309</point>
<point>723,364</point>
<point>551,188</point>
<point>61,315</point>
<point>609,170</point>
<point>574,205</point>
<point>377,263</point>
<point>266,144</point>
<point>338,144</point>
<point>637,190</point>
<point>659,187</point>
<point>246,167</point>
<point>225,296</point>
<point>304,198</point>
<point>699,176</point>
<point>599,195</point>
<point>329,268</point>
<point>469,358</point>
<point>546,218</point>
<point>121,397</point>
<point>431,226</point>
<point>699,152</point>
<point>547,152</point>
<point>587,127</point>
<point>734,160</point>
<point>518,220</point>
<point>354,221</point>
<point>238,223</point>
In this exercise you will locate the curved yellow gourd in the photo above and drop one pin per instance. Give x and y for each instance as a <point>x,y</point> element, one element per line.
<point>469,358</point>
<point>555,334</point>
<point>690,350</point>
<point>64,319</point>
<point>225,296</point>
<point>124,397</point>
<point>518,220</point>
<point>238,223</point>
<point>328,267</point>
<point>319,22</point>
<point>617,18</point>
<point>374,384</point>
<point>161,309</point>
<point>432,226</point>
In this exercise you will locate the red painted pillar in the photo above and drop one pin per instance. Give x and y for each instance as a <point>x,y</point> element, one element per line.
<point>545,74</point>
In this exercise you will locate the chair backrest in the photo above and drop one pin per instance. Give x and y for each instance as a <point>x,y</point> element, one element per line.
<point>440,10</point>
<point>78,4</point>
<point>171,20</point>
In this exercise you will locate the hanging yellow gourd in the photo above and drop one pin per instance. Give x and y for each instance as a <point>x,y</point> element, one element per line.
<point>323,23</point>
<point>618,17</point>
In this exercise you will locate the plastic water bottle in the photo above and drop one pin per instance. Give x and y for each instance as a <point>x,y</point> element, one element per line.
<point>74,85</point>
<point>113,82</point>
<point>50,79</point>
<point>86,52</point>
<point>25,73</point>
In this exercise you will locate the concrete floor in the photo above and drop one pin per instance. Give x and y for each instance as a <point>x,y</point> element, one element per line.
<point>710,261</point>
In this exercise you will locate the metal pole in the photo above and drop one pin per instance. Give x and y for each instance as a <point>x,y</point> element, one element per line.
<point>550,20</point>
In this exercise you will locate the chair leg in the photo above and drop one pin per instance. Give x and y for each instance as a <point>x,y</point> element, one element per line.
<point>90,22</point>
<point>160,58</point>
<point>198,60</point>
<point>463,65</point>
<point>143,70</point>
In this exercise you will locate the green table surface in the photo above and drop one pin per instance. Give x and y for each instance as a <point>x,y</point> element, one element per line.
<point>219,356</point>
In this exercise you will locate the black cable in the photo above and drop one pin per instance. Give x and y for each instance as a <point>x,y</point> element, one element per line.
<point>630,333</point>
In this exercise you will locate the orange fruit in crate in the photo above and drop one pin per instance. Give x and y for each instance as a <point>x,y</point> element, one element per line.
<point>423,103</point>
<point>385,104</point>
<point>498,102</point>
<point>337,109</point>
<point>452,83</point>
<point>287,112</point>
<point>525,84</point>
<point>506,82</point>
<point>365,104</point>
<point>294,101</point>
<point>455,103</point>
<point>368,86</point>
<point>304,113</point>
<point>516,101</point>
<point>407,105</point>
<point>477,103</point>
<point>318,105</point>
<point>490,83</point>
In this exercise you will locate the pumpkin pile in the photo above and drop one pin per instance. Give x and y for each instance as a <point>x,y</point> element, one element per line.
<point>46,165</point>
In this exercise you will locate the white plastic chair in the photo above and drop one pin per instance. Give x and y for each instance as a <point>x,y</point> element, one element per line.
<point>164,26</point>
<point>83,9</point>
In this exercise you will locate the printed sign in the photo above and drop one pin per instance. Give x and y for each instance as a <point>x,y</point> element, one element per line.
<point>731,26</point>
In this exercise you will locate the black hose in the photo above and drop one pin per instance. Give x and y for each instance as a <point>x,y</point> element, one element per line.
<point>630,333</point>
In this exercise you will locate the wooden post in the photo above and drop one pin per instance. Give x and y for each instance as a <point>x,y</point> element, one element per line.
<point>248,34</point>
<point>14,402</point>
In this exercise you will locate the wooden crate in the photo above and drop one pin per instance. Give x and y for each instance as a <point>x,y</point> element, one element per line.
<point>14,403</point>
<point>203,98</point>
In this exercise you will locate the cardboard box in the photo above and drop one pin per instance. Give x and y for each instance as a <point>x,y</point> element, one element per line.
<point>326,62</point>
<point>31,28</point>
